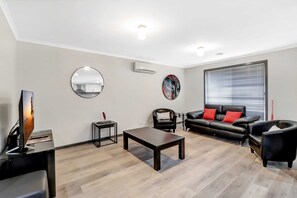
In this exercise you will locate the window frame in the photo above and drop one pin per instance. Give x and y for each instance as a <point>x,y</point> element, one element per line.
<point>265,62</point>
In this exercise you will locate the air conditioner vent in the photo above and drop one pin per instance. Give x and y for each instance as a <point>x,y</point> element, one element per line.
<point>144,67</point>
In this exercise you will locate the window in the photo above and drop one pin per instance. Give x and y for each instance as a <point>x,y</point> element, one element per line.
<point>244,84</point>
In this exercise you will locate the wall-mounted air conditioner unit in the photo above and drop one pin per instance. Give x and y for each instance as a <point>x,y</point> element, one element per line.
<point>144,68</point>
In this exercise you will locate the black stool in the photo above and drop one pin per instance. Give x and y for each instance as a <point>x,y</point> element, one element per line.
<point>30,185</point>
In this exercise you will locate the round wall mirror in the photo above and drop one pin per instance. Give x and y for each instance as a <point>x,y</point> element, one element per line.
<point>171,87</point>
<point>87,82</point>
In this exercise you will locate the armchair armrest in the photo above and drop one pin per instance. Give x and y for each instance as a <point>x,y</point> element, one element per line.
<point>272,144</point>
<point>174,118</point>
<point>195,114</point>
<point>259,127</point>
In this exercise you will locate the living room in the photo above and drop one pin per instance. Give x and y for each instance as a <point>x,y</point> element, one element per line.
<point>128,97</point>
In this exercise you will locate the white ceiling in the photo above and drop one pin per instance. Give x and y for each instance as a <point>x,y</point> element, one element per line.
<point>175,28</point>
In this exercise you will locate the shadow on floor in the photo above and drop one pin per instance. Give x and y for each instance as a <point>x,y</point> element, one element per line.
<point>147,156</point>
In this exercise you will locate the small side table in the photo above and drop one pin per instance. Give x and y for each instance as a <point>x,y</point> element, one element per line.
<point>182,116</point>
<point>96,129</point>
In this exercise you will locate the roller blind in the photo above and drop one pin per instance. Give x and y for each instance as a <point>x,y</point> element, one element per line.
<point>238,85</point>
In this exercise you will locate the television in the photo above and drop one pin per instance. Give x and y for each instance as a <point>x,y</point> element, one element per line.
<point>26,117</point>
<point>25,124</point>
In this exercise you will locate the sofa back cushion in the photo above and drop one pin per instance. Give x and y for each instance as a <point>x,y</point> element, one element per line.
<point>220,116</point>
<point>237,108</point>
<point>219,108</point>
<point>222,110</point>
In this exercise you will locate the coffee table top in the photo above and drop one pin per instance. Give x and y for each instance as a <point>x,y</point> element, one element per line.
<point>153,136</point>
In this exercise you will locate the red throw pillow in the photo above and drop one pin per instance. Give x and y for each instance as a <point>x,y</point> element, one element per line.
<point>231,116</point>
<point>209,114</point>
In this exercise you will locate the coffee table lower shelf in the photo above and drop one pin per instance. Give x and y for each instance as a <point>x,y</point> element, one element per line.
<point>156,140</point>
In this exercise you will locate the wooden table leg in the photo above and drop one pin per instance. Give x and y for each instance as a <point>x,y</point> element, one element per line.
<point>125,141</point>
<point>181,149</point>
<point>92,131</point>
<point>157,160</point>
<point>116,132</point>
<point>99,139</point>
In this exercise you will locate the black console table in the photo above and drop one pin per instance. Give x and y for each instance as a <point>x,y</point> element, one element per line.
<point>96,132</point>
<point>42,157</point>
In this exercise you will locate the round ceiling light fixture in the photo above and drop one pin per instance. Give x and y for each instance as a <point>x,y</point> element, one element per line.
<point>141,32</point>
<point>200,51</point>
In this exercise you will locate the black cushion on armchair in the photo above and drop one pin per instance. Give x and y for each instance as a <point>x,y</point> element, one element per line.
<point>278,145</point>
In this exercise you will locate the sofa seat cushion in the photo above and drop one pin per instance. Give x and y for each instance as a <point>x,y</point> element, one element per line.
<point>165,121</point>
<point>227,127</point>
<point>256,139</point>
<point>200,122</point>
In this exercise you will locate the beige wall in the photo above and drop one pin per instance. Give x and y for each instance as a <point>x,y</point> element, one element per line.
<point>282,82</point>
<point>8,109</point>
<point>127,97</point>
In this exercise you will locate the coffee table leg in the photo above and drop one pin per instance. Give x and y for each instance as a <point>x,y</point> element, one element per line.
<point>157,161</point>
<point>181,149</point>
<point>125,139</point>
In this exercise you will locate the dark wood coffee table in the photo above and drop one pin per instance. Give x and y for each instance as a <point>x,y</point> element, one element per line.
<point>156,140</point>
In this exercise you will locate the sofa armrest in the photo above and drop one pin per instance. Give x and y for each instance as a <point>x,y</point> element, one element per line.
<point>195,114</point>
<point>246,120</point>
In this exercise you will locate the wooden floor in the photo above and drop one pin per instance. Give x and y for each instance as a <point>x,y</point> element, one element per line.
<point>213,167</point>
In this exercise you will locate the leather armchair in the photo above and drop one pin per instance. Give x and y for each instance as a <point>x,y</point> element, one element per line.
<point>278,145</point>
<point>164,123</point>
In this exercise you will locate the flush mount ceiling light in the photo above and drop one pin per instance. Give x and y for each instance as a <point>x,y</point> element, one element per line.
<point>200,51</point>
<point>141,32</point>
<point>87,68</point>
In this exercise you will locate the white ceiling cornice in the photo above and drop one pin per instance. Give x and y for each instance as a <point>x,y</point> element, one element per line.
<point>8,17</point>
<point>93,52</point>
<point>243,56</point>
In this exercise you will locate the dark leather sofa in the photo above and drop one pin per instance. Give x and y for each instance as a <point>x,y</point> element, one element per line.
<point>239,130</point>
<point>278,145</point>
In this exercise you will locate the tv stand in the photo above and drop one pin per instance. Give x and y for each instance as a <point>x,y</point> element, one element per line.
<point>39,137</point>
<point>40,158</point>
<point>18,151</point>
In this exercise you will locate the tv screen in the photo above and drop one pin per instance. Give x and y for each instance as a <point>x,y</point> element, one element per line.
<point>26,117</point>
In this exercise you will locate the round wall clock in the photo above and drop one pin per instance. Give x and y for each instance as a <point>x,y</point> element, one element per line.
<point>171,87</point>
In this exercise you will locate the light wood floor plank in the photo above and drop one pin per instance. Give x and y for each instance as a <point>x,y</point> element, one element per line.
<point>213,167</point>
